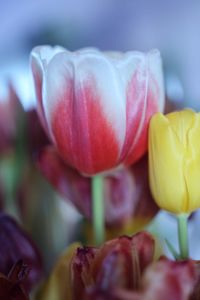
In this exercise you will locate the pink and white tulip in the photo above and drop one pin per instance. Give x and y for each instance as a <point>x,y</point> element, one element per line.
<point>96,106</point>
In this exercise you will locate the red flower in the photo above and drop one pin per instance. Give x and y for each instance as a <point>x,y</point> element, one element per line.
<point>96,106</point>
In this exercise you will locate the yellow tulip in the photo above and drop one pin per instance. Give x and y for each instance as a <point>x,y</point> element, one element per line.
<point>174,160</point>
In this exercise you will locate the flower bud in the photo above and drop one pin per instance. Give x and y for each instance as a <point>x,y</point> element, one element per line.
<point>174,160</point>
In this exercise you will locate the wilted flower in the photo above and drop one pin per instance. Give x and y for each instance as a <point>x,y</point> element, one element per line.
<point>96,106</point>
<point>17,245</point>
<point>174,160</point>
<point>12,285</point>
<point>126,192</point>
<point>121,269</point>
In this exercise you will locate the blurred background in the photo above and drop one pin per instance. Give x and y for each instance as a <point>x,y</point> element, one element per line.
<point>171,26</point>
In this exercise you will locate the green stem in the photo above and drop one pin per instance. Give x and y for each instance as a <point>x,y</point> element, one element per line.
<point>98,209</point>
<point>183,235</point>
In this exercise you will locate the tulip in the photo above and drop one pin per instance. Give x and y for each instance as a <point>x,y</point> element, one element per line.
<point>174,166</point>
<point>127,196</point>
<point>174,160</point>
<point>122,269</point>
<point>96,106</point>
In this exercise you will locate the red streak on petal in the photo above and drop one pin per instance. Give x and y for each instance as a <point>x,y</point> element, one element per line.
<point>135,105</point>
<point>140,108</point>
<point>84,137</point>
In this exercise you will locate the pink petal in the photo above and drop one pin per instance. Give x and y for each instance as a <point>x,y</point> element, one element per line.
<point>39,59</point>
<point>169,280</point>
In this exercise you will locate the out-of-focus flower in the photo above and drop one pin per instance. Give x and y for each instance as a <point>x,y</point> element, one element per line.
<point>126,192</point>
<point>17,245</point>
<point>36,137</point>
<point>174,160</point>
<point>10,111</point>
<point>44,215</point>
<point>96,106</point>
<point>12,285</point>
<point>23,192</point>
<point>121,269</point>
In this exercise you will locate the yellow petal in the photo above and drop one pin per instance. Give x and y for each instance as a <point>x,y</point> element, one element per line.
<point>174,160</point>
<point>166,157</point>
<point>58,285</point>
<point>192,165</point>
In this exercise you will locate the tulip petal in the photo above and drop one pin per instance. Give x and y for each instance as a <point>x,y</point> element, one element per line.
<point>174,160</point>
<point>39,59</point>
<point>68,182</point>
<point>85,96</point>
<point>192,164</point>
<point>165,164</point>
<point>169,280</point>
<point>144,97</point>
<point>119,263</point>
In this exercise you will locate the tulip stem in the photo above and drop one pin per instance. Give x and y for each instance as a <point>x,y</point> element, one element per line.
<point>183,235</point>
<point>98,216</point>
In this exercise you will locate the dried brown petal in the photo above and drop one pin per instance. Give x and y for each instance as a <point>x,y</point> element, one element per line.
<point>12,286</point>
<point>118,263</point>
